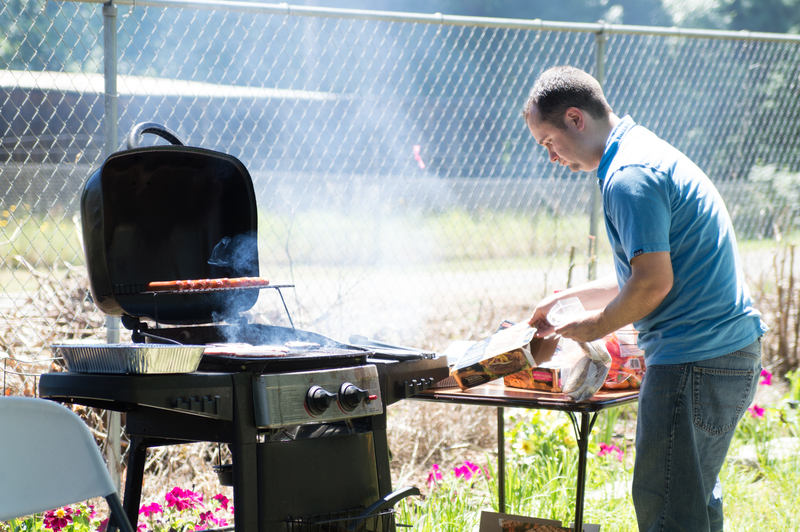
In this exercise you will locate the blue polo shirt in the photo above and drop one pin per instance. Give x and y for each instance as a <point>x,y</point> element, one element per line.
<point>656,199</point>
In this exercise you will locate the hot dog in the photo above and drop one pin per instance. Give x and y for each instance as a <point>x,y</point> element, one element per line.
<point>207,284</point>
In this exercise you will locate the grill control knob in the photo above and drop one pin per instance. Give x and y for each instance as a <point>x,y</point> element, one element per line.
<point>318,399</point>
<point>351,395</point>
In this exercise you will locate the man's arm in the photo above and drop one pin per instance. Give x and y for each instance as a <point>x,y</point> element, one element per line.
<point>650,282</point>
<point>593,295</point>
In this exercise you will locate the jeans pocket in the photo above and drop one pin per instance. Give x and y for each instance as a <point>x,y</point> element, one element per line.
<point>720,398</point>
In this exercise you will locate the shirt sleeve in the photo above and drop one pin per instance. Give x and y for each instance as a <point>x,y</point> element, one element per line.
<point>637,203</point>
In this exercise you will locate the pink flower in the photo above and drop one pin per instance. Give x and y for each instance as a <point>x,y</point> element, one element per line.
<point>467,471</point>
<point>207,518</point>
<point>55,520</point>
<point>222,500</point>
<point>141,527</point>
<point>434,476</point>
<point>608,449</point>
<point>767,378</point>
<point>183,499</point>
<point>756,411</point>
<point>149,510</point>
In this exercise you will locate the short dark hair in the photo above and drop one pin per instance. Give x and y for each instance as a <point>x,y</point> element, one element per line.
<point>559,88</point>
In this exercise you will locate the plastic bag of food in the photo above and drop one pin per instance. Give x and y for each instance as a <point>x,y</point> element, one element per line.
<point>585,372</point>
<point>585,364</point>
<point>627,360</point>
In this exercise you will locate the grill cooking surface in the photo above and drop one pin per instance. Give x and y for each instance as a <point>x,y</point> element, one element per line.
<point>330,357</point>
<point>329,354</point>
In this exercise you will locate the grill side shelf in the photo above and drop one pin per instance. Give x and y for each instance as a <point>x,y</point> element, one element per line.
<point>208,395</point>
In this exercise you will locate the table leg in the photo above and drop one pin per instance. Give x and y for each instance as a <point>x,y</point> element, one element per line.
<point>582,432</point>
<point>501,460</point>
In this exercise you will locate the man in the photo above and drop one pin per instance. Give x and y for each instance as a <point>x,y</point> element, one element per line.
<point>678,280</point>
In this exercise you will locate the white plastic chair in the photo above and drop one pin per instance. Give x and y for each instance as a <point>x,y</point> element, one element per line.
<point>49,459</point>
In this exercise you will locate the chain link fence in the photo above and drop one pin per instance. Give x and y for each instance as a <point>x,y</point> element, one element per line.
<point>398,187</point>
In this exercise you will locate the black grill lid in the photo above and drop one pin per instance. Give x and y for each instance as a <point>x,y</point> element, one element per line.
<point>167,213</point>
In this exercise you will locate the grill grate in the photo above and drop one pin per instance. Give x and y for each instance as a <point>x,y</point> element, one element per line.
<point>345,521</point>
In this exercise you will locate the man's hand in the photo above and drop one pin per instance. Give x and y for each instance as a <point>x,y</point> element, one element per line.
<point>593,295</point>
<point>584,327</point>
<point>539,317</point>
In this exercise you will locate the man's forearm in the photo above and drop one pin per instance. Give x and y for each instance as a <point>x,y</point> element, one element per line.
<point>650,282</point>
<point>595,294</point>
<point>641,294</point>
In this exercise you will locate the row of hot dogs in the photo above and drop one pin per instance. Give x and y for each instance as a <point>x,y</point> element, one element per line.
<point>224,283</point>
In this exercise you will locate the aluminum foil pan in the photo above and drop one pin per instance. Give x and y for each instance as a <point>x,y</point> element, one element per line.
<point>130,358</point>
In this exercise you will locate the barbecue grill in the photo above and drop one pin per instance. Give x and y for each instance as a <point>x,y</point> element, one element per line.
<point>305,423</point>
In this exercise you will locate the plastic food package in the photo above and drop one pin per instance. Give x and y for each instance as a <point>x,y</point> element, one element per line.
<point>563,310</point>
<point>627,360</point>
<point>545,379</point>
<point>505,352</point>
<point>586,372</point>
<point>585,365</point>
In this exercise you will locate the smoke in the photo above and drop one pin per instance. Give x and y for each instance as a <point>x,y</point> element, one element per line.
<point>237,255</point>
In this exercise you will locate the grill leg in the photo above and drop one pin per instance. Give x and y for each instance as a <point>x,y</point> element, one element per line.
<point>245,487</point>
<point>135,478</point>
<point>381,444</point>
<point>244,456</point>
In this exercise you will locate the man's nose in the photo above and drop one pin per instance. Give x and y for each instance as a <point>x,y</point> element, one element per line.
<point>553,155</point>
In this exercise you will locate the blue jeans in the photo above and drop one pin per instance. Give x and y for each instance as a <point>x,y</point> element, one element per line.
<point>687,417</point>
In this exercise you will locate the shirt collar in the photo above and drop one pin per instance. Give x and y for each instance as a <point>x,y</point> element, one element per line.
<point>612,145</point>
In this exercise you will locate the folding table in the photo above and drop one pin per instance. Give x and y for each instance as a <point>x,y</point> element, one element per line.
<point>499,396</point>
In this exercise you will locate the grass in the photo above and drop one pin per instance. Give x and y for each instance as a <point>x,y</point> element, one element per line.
<point>452,236</point>
<point>35,241</point>
<point>452,240</point>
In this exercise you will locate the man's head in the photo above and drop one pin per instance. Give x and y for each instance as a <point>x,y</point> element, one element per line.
<point>567,113</point>
<point>559,88</point>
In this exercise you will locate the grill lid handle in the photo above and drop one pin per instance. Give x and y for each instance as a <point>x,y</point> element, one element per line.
<point>156,129</point>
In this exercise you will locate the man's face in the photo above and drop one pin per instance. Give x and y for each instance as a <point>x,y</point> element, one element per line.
<point>566,147</point>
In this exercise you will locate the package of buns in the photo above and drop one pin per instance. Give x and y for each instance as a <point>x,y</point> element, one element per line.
<point>506,352</point>
<point>544,379</point>
<point>545,376</point>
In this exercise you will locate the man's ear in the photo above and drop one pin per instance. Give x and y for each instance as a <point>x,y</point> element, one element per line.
<point>575,117</point>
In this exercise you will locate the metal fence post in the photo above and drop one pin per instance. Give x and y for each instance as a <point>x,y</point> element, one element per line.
<point>596,199</point>
<point>113,447</point>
